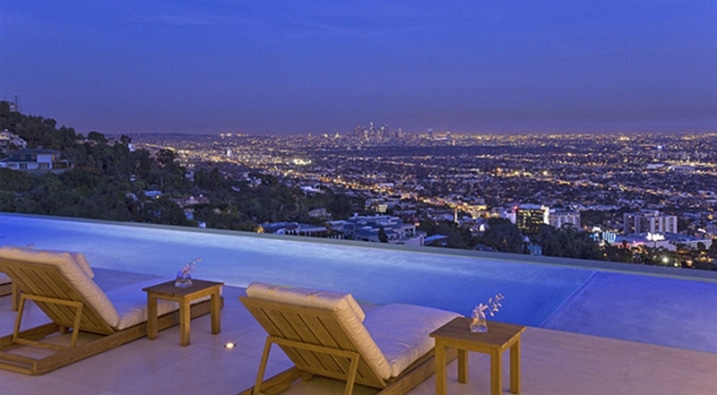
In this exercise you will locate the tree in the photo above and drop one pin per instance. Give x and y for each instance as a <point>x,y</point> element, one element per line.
<point>342,206</point>
<point>15,181</point>
<point>168,161</point>
<point>212,180</point>
<point>165,158</point>
<point>382,236</point>
<point>567,242</point>
<point>97,137</point>
<point>141,163</point>
<point>503,236</point>
<point>616,254</point>
<point>163,211</point>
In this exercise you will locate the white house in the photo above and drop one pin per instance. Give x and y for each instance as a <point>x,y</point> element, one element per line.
<point>10,141</point>
<point>34,159</point>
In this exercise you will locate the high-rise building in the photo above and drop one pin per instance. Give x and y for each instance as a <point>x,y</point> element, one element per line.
<point>558,218</point>
<point>649,221</point>
<point>529,217</point>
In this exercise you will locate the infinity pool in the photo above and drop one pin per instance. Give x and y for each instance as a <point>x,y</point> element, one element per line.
<point>556,296</point>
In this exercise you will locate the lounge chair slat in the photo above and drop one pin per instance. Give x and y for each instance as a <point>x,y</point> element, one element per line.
<point>308,332</point>
<point>323,330</point>
<point>276,325</point>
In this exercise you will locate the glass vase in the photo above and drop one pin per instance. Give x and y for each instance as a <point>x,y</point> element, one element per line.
<point>479,322</point>
<point>184,280</point>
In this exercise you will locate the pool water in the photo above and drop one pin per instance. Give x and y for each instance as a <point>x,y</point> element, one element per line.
<point>642,308</point>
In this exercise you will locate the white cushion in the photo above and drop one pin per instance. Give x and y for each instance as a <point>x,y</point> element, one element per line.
<point>4,279</point>
<point>401,332</point>
<point>77,256</point>
<point>83,264</point>
<point>76,277</point>
<point>345,307</point>
<point>131,303</point>
<point>304,296</point>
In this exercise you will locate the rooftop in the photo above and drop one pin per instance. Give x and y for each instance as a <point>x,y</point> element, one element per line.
<point>596,330</point>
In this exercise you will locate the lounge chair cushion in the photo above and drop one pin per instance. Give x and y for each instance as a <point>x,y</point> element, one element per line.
<point>4,279</point>
<point>77,256</point>
<point>131,303</point>
<point>83,264</point>
<point>305,297</point>
<point>345,307</point>
<point>76,277</point>
<point>401,332</point>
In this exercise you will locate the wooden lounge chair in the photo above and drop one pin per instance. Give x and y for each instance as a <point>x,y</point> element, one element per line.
<point>328,334</point>
<point>75,305</point>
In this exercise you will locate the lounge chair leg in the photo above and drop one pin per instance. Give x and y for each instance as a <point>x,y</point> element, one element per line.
<point>353,358</point>
<point>262,366</point>
<point>44,299</point>
<point>76,326</point>
<point>18,319</point>
<point>351,376</point>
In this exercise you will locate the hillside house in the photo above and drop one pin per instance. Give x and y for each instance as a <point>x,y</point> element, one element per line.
<point>35,159</point>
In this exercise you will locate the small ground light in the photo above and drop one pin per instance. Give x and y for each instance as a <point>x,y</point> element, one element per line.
<point>229,346</point>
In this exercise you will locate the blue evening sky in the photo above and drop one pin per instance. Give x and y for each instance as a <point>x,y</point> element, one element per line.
<point>483,66</point>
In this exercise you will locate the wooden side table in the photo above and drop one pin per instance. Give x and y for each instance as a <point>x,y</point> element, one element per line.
<point>184,296</point>
<point>499,337</point>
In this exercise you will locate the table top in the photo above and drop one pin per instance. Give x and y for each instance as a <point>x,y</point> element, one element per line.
<point>499,333</point>
<point>168,288</point>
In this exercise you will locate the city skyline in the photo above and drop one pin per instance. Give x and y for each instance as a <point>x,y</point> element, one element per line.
<point>325,67</point>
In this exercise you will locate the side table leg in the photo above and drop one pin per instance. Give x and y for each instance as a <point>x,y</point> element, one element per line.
<point>515,367</point>
<point>496,372</point>
<point>184,318</point>
<point>440,369</point>
<point>216,318</point>
<point>462,366</point>
<point>151,316</point>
